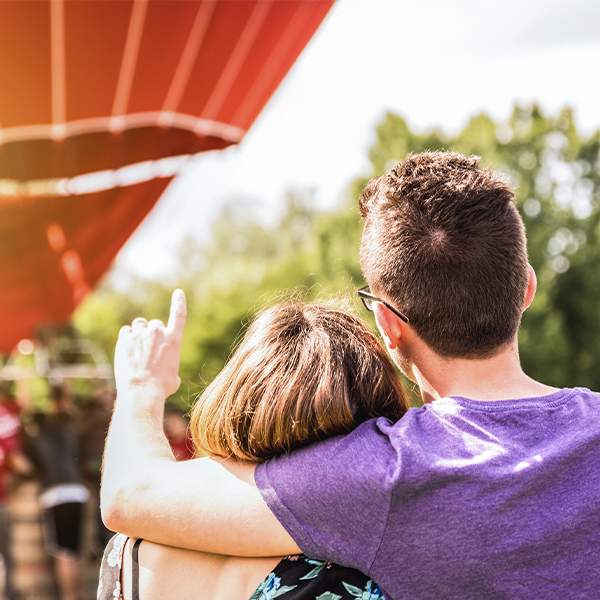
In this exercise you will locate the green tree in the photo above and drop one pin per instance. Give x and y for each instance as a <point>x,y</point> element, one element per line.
<point>556,174</point>
<point>246,264</point>
<point>226,279</point>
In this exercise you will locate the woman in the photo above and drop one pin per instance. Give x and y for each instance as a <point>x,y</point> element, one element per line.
<point>303,372</point>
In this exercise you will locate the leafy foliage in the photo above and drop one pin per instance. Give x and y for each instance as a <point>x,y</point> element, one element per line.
<point>244,266</point>
<point>556,173</point>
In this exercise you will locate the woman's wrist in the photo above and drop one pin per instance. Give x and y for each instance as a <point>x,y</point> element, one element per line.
<point>145,394</point>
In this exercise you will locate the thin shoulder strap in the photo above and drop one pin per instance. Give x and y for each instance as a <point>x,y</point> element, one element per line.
<point>135,571</point>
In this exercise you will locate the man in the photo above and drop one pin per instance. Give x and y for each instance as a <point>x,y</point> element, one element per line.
<point>491,490</point>
<point>56,452</point>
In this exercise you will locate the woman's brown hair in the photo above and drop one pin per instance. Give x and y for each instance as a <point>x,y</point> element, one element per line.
<point>302,372</point>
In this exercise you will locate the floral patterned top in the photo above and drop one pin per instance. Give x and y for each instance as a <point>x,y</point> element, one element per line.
<point>295,577</point>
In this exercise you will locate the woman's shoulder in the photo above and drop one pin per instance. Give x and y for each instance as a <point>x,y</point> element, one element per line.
<point>168,572</point>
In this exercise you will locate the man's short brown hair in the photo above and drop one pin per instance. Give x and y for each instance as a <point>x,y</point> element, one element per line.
<point>444,242</point>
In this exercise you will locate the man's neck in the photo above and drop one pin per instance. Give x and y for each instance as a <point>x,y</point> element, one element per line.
<point>498,378</point>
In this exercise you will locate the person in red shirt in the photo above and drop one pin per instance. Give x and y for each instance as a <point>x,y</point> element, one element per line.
<point>11,459</point>
<point>177,432</point>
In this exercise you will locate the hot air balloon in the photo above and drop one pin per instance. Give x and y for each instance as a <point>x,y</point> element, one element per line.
<point>100,105</point>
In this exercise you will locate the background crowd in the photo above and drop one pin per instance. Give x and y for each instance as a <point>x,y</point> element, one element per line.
<point>56,444</point>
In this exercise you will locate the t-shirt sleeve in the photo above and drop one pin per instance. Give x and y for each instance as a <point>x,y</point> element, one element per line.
<point>333,497</point>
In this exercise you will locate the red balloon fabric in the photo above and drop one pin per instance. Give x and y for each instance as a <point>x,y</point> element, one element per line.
<point>54,251</point>
<point>89,87</point>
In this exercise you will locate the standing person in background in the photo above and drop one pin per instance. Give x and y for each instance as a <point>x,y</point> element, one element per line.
<point>11,459</point>
<point>55,450</point>
<point>93,421</point>
<point>177,432</point>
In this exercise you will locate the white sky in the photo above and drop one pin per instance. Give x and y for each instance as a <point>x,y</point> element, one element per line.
<point>435,62</point>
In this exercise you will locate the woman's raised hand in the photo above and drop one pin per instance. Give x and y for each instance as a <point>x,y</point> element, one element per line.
<point>147,353</point>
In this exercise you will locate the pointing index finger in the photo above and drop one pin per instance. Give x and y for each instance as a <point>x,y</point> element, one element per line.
<point>178,313</point>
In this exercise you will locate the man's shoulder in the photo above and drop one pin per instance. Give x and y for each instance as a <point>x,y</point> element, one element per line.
<point>366,449</point>
<point>435,429</point>
<point>455,405</point>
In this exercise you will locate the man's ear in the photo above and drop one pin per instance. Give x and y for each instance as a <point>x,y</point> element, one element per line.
<point>389,325</point>
<point>531,287</point>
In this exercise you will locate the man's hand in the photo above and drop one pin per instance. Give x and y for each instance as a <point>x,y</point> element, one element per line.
<point>148,353</point>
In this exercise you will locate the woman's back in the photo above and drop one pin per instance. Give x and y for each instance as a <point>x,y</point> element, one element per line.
<point>166,572</point>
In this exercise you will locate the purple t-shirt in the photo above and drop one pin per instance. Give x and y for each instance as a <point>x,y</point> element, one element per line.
<point>458,500</point>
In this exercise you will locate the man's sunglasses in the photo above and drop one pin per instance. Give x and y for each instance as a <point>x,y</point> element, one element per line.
<point>365,295</point>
